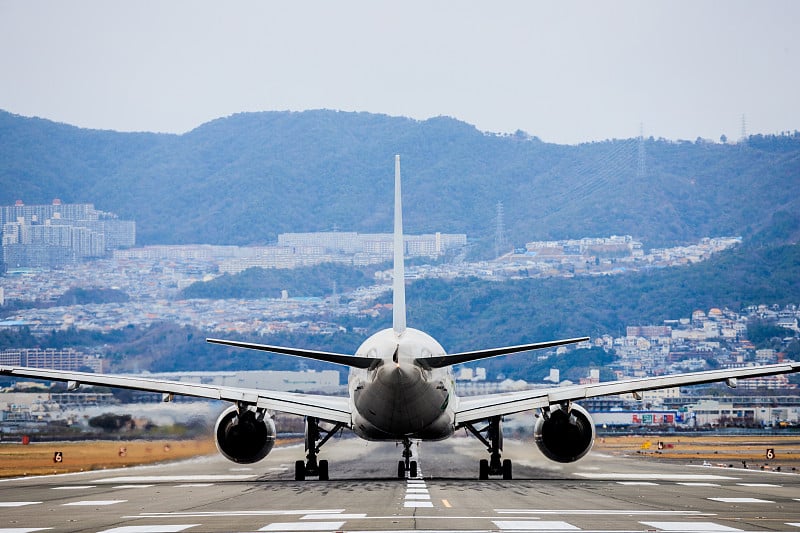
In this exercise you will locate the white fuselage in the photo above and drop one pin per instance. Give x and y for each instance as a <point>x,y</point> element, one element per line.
<point>399,399</point>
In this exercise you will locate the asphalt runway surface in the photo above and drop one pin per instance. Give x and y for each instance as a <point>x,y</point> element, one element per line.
<point>598,493</point>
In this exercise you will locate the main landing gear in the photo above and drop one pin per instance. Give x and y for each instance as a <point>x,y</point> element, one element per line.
<point>312,467</point>
<point>492,437</point>
<point>406,465</point>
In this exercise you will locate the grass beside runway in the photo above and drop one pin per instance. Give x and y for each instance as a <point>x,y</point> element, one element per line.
<point>714,449</point>
<point>41,458</point>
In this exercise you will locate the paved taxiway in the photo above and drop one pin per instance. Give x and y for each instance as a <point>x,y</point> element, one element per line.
<point>599,493</point>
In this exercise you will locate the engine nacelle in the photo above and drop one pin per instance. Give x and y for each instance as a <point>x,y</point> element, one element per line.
<point>565,437</point>
<point>242,438</point>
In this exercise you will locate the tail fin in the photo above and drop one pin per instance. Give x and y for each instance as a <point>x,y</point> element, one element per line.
<point>399,286</point>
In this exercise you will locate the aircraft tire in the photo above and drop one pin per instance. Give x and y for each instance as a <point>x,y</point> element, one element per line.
<point>413,473</point>
<point>483,470</point>
<point>507,469</point>
<point>401,470</point>
<point>323,470</point>
<point>299,471</point>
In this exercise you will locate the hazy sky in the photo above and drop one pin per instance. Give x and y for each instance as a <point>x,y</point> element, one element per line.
<point>565,71</point>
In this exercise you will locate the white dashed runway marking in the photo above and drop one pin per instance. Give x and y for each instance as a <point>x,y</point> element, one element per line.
<point>17,504</point>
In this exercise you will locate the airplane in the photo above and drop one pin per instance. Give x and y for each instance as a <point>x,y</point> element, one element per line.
<point>401,388</point>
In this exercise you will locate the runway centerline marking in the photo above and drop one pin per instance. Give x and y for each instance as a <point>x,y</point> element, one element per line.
<point>74,487</point>
<point>17,504</point>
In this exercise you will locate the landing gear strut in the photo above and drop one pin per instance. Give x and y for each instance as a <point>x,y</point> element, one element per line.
<point>406,465</point>
<point>312,467</point>
<point>493,440</point>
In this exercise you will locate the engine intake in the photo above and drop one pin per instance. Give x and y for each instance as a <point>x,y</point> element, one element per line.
<point>242,437</point>
<point>565,437</point>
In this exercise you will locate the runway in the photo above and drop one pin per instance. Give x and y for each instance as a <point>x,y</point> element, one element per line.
<point>599,493</point>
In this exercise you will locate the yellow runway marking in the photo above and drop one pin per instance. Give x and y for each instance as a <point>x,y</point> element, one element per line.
<point>446,503</point>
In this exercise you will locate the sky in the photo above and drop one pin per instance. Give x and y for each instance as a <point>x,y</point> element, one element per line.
<point>567,71</point>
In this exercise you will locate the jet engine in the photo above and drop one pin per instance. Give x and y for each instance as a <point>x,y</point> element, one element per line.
<point>565,436</point>
<point>244,437</point>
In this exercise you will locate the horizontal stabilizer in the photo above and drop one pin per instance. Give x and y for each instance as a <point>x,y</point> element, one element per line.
<point>466,357</point>
<point>337,358</point>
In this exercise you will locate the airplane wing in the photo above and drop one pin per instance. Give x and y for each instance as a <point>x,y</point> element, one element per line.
<point>329,408</point>
<point>466,357</point>
<point>336,358</point>
<point>474,408</point>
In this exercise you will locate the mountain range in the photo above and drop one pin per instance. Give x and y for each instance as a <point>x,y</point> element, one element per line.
<point>246,178</point>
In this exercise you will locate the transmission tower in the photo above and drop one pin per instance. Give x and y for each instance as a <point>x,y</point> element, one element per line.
<point>641,167</point>
<point>743,138</point>
<point>499,231</point>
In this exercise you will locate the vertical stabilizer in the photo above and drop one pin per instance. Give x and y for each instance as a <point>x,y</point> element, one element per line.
<point>399,287</point>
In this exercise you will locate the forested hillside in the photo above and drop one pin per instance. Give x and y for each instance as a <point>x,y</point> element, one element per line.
<point>246,178</point>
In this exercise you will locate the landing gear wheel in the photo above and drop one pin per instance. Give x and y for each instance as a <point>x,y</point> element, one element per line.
<point>507,469</point>
<point>401,470</point>
<point>299,471</point>
<point>323,470</point>
<point>483,470</point>
<point>413,470</point>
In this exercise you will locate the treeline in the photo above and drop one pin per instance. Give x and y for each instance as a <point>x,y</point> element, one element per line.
<point>315,281</point>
